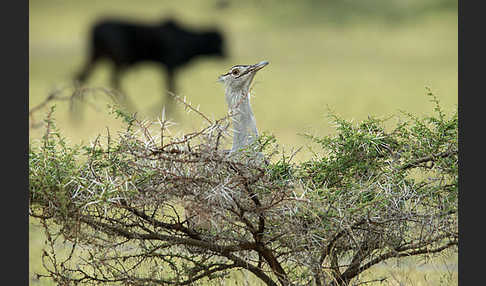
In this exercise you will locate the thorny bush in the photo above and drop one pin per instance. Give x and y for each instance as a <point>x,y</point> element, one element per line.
<point>149,208</point>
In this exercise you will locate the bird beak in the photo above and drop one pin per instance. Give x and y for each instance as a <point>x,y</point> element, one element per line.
<point>259,66</point>
<point>254,68</point>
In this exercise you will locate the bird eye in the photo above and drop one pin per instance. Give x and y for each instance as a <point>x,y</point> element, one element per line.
<point>235,72</point>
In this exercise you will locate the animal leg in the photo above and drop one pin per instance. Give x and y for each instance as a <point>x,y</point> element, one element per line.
<point>170,84</point>
<point>82,76</point>
<point>116,75</point>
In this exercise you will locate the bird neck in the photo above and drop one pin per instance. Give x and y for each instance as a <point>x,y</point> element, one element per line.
<point>238,100</point>
<point>244,125</point>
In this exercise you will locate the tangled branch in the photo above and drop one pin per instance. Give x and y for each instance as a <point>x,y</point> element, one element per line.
<point>150,208</point>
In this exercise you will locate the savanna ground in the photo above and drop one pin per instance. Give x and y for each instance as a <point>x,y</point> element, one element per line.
<point>356,59</point>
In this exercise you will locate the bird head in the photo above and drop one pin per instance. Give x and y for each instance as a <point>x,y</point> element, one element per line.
<point>238,79</point>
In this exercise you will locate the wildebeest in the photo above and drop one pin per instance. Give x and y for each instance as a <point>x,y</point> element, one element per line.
<point>168,43</point>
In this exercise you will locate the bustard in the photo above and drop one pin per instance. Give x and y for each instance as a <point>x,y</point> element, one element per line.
<point>237,92</point>
<point>237,82</point>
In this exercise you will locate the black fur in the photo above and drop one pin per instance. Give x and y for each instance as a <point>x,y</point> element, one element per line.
<point>167,43</point>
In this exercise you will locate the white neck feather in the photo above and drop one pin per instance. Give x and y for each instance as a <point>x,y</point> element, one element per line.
<point>244,124</point>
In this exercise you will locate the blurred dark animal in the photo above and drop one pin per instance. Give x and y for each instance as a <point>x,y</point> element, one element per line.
<point>167,43</point>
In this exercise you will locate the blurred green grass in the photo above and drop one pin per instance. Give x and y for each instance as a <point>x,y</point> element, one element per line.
<point>357,59</point>
<point>359,68</point>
